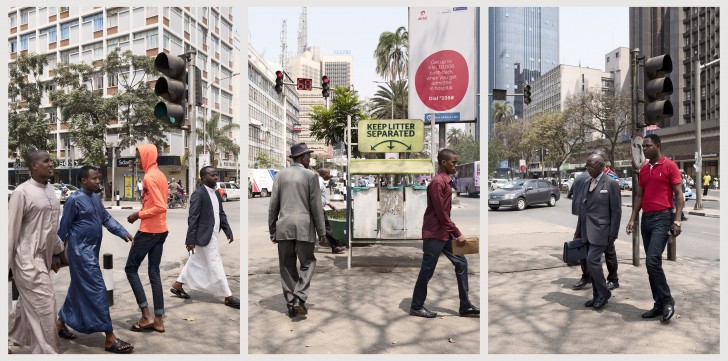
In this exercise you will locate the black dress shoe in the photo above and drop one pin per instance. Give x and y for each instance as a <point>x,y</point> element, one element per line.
<point>582,282</point>
<point>590,303</point>
<point>299,307</point>
<point>422,313</point>
<point>612,285</point>
<point>600,303</point>
<point>471,311</point>
<point>291,311</point>
<point>654,312</point>
<point>667,312</point>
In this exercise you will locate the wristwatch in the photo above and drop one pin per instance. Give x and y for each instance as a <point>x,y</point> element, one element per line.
<point>677,223</point>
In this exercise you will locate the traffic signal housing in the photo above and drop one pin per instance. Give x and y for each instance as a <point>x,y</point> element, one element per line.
<point>527,94</point>
<point>279,82</point>
<point>172,87</point>
<point>657,89</point>
<point>325,86</point>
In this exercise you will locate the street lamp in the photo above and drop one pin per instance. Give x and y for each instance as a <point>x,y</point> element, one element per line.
<point>390,88</point>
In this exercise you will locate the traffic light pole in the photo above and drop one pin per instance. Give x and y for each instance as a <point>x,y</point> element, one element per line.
<point>635,182</point>
<point>192,143</point>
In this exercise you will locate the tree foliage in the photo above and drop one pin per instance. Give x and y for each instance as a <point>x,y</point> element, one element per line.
<point>329,125</point>
<point>391,54</point>
<point>265,161</point>
<point>217,138</point>
<point>27,121</point>
<point>467,149</point>
<point>391,102</point>
<point>557,134</point>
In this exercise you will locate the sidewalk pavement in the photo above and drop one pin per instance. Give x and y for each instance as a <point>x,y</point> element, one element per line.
<point>532,308</point>
<point>363,310</point>
<point>705,212</point>
<point>201,324</point>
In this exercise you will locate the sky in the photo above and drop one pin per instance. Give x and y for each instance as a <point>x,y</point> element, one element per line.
<point>586,34</point>
<point>331,28</point>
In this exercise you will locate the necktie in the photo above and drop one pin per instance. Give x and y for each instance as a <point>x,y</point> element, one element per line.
<point>593,184</point>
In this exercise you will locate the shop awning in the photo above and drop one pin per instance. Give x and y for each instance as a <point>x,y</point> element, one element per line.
<point>391,166</point>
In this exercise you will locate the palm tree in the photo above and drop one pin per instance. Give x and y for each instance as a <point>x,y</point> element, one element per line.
<point>218,139</point>
<point>454,135</point>
<point>390,101</point>
<point>391,54</point>
<point>502,112</point>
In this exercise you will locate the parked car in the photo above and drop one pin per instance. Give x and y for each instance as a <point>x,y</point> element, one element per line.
<point>497,183</point>
<point>521,193</point>
<point>687,193</point>
<point>627,184</point>
<point>228,191</point>
<point>11,188</point>
<point>59,191</point>
<point>570,182</point>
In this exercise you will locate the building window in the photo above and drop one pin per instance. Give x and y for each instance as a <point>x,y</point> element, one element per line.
<point>13,44</point>
<point>97,50</point>
<point>112,79</point>
<point>64,8</point>
<point>97,81</point>
<point>152,11</point>
<point>151,38</point>
<point>13,20</point>
<point>52,34</point>
<point>113,44</point>
<point>24,16</point>
<point>24,40</point>
<point>98,20</point>
<point>66,56</point>
<point>187,24</point>
<point>66,29</point>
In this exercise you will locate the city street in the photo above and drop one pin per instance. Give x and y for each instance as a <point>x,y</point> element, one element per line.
<point>532,308</point>
<point>185,320</point>
<point>363,310</point>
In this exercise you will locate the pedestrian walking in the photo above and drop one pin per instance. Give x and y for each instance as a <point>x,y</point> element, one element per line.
<point>149,240</point>
<point>86,308</point>
<point>438,233</point>
<point>337,247</point>
<point>706,183</point>
<point>33,251</point>
<point>204,269</point>
<point>295,217</point>
<point>610,252</point>
<point>600,212</point>
<point>659,180</point>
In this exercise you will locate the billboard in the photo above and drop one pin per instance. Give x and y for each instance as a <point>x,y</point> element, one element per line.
<point>442,64</point>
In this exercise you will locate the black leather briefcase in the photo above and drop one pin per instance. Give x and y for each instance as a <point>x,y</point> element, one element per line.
<point>574,251</point>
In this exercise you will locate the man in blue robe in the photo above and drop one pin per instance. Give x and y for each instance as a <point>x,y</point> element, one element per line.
<point>86,308</point>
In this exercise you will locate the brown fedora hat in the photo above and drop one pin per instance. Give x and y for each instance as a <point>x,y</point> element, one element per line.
<point>299,149</point>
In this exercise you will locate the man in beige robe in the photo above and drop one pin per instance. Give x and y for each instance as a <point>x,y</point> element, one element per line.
<point>33,250</point>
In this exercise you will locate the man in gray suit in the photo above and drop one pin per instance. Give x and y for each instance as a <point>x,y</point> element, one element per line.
<point>600,213</point>
<point>295,216</point>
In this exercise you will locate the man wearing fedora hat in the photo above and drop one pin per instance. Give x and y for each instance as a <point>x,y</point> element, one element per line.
<point>295,217</point>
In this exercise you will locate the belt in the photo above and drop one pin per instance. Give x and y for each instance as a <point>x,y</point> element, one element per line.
<point>654,213</point>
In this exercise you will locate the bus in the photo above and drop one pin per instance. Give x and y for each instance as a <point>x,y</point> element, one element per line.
<point>468,179</point>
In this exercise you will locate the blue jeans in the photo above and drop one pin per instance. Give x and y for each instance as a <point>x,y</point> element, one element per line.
<point>146,244</point>
<point>432,249</point>
<point>655,234</point>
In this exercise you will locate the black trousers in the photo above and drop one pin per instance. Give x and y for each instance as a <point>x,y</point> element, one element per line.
<point>610,258</point>
<point>333,242</point>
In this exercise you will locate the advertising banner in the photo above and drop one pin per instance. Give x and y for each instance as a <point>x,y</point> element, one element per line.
<point>442,64</point>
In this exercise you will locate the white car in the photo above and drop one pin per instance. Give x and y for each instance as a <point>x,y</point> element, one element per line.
<point>497,183</point>
<point>228,191</point>
<point>69,190</point>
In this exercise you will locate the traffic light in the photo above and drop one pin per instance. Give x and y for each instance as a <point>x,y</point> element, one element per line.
<point>325,86</point>
<point>172,88</point>
<point>657,89</point>
<point>527,94</point>
<point>279,81</point>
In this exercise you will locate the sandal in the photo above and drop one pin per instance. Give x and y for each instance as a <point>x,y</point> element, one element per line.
<point>180,292</point>
<point>66,333</point>
<point>233,302</point>
<point>119,346</point>
<point>137,327</point>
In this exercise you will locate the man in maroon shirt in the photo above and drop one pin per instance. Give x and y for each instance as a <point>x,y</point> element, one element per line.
<point>438,232</point>
<point>659,179</point>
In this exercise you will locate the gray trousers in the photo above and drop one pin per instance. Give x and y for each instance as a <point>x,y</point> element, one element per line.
<point>594,265</point>
<point>295,280</point>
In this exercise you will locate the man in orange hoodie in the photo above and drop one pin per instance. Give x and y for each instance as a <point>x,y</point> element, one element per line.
<point>149,240</point>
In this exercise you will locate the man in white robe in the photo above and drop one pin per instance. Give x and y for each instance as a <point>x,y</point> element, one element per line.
<point>33,251</point>
<point>204,269</point>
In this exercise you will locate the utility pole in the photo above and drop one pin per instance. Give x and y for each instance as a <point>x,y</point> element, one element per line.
<point>698,135</point>
<point>193,121</point>
<point>635,183</point>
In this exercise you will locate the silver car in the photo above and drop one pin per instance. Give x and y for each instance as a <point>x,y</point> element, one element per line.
<point>521,193</point>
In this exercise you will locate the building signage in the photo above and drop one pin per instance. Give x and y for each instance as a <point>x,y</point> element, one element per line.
<point>387,135</point>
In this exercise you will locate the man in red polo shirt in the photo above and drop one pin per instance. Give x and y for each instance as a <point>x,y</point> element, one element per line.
<point>438,232</point>
<point>659,179</point>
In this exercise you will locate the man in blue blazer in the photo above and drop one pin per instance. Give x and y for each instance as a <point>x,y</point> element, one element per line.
<point>600,212</point>
<point>203,270</point>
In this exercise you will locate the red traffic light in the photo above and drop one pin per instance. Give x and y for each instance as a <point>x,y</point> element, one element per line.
<point>325,79</point>
<point>279,74</point>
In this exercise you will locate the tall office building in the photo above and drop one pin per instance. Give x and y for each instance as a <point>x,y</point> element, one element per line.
<point>87,34</point>
<point>523,45</point>
<point>688,34</point>
<point>308,65</point>
<point>338,68</point>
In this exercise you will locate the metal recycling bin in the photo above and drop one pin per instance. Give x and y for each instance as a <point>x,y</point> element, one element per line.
<point>365,207</point>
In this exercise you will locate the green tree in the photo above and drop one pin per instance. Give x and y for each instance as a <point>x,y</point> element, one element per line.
<point>391,54</point>
<point>467,149</point>
<point>391,101</point>
<point>497,151</point>
<point>329,125</point>
<point>502,113</point>
<point>265,161</point>
<point>218,138</point>
<point>27,121</point>
<point>558,134</point>
<point>454,136</point>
